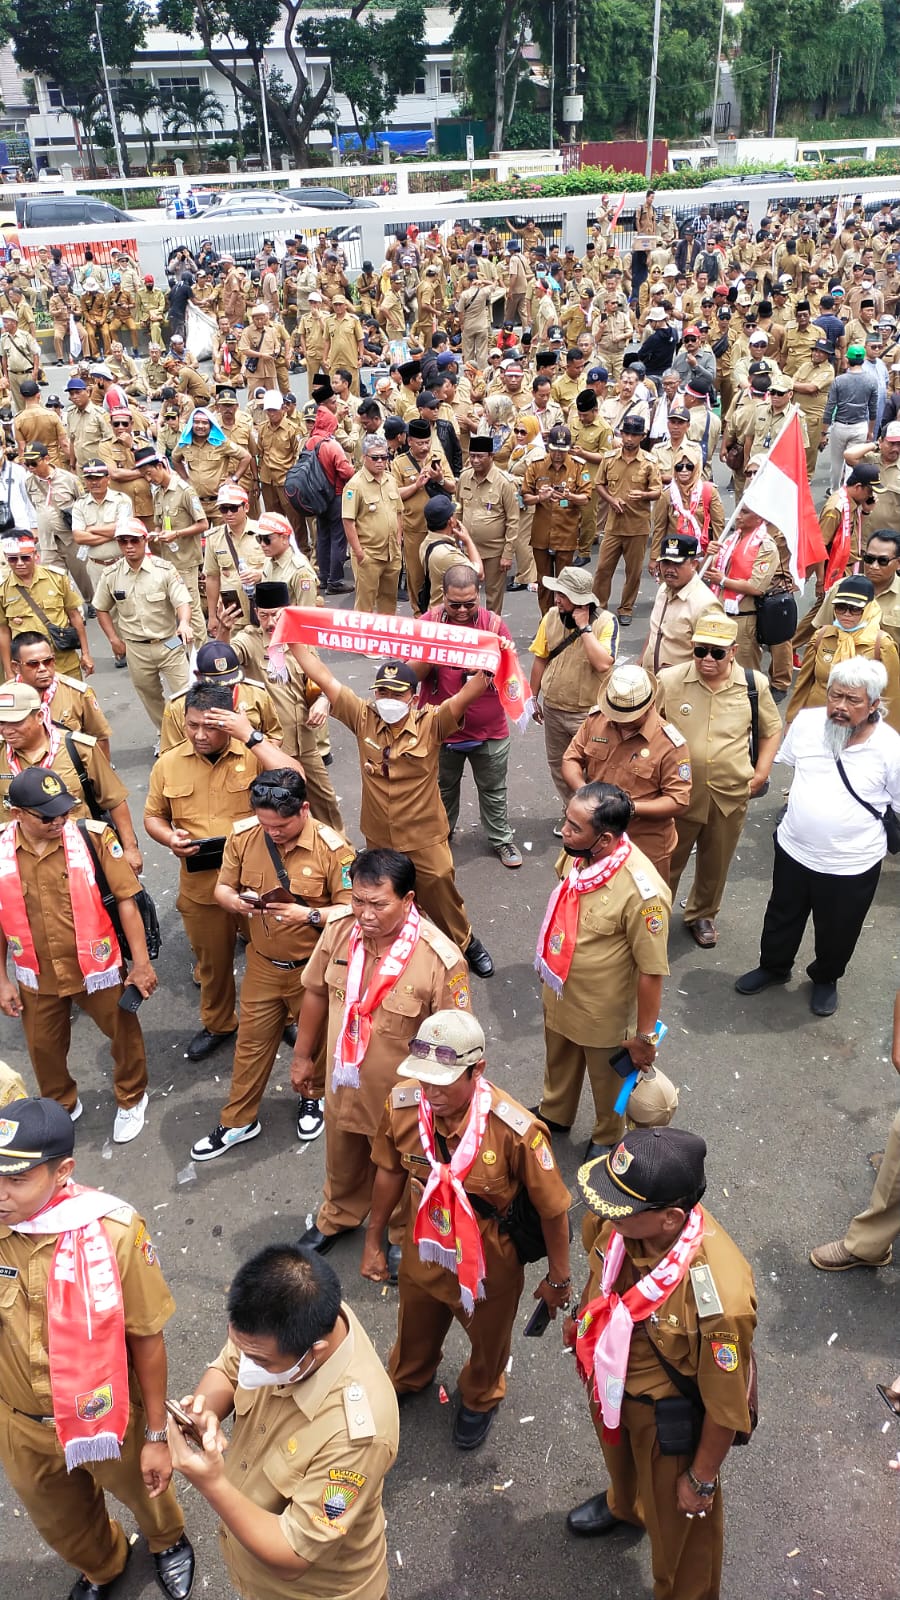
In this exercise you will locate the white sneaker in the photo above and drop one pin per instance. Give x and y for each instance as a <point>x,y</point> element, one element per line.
<point>310,1119</point>
<point>76,1111</point>
<point>129,1123</point>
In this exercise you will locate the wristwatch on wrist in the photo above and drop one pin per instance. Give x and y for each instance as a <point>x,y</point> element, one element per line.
<point>586,629</point>
<point>156,1435</point>
<point>704,1490</point>
<point>646,1038</point>
<point>255,738</point>
<point>314,918</point>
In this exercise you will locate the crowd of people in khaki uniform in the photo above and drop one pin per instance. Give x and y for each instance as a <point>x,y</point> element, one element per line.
<point>483,457</point>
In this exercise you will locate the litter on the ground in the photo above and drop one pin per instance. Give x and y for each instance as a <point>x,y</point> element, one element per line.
<point>832,1340</point>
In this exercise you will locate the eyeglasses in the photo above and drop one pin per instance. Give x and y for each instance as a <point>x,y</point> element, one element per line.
<point>27,556</point>
<point>377,458</point>
<point>128,539</point>
<point>843,605</point>
<point>878,561</point>
<point>520,430</point>
<point>684,466</point>
<point>442,1053</point>
<point>460,605</point>
<point>714,650</point>
<point>38,816</point>
<point>121,424</point>
<point>264,538</point>
<point>230,511</point>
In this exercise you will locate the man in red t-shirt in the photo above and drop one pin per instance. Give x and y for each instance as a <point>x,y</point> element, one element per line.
<point>483,739</point>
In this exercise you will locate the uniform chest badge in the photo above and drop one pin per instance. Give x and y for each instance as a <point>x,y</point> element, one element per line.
<point>725,1356</point>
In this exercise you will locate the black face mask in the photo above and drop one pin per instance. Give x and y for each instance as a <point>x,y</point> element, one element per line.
<point>580,849</point>
<point>567,618</point>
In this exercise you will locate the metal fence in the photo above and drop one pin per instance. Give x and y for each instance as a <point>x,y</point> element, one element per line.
<point>245,247</point>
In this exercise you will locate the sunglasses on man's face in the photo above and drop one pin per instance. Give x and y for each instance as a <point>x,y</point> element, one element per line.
<point>264,538</point>
<point>878,561</point>
<point>714,650</point>
<point>121,424</point>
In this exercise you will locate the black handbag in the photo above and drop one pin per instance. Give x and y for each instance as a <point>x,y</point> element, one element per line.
<point>776,617</point>
<point>520,1221</point>
<point>888,818</point>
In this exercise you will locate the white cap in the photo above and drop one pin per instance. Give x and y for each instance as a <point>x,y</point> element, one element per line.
<point>272,400</point>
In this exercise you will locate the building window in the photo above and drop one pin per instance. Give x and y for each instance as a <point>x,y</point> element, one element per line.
<point>55,97</point>
<point>448,82</point>
<point>172,89</point>
<point>419,86</point>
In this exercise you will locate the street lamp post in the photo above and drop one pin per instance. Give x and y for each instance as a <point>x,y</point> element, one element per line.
<point>109,99</point>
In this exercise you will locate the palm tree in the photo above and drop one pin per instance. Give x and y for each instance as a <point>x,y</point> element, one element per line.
<point>137,98</point>
<point>196,109</point>
<point>87,111</point>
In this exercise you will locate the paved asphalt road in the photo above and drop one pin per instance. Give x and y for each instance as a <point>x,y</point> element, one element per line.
<point>789,1105</point>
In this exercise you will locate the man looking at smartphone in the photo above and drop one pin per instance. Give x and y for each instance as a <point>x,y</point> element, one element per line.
<point>285,873</point>
<point>64,946</point>
<point>197,791</point>
<point>83,1361</point>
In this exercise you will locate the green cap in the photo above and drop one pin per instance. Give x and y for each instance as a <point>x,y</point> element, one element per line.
<point>856,352</point>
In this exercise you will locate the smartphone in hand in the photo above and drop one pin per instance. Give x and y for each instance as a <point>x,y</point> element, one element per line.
<point>185,1421</point>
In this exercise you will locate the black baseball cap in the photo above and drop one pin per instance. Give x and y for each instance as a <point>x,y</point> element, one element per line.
<point>218,662</point>
<point>679,547</point>
<point>34,1131</point>
<point>649,1169</point>
<point>395,677</point>
<point>438,512</point>
<point>40,789</point>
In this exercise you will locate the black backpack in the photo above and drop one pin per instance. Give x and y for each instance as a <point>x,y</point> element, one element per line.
<point>307,486</point>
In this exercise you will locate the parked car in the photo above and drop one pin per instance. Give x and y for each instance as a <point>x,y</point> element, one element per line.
<point>253,203</point>
<point>328,199</point>
<point>67,211</point>
<point>778,175</point>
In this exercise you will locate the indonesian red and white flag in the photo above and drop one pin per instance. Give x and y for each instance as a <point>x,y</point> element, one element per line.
<point>780,494</point>
<point>617,213</point>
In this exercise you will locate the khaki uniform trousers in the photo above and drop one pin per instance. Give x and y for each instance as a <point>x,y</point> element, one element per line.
<point>523,555</point>
<point>814,429</point>
<point>875,1229</point>
<point>158,671</point>
<point>613,361</point>
<point>437,894</point>
<point>376,585</point>
<point>323,802</point>
<point>560,728</point>
<point>686,1555</point>
<point>58,548</point>
<point>190,577</point>
<point>475,344</point>
<point>806,627</point>
<point>275,499</point>
<point>47,1022</point>
<point>716,839</point>
<point>614,546</point>
<point>422,1324</point>
<point>587,528</point>
<point>494,582</point>
<point>349,1177</point>
<point>212,934</point>
<point>270,999</point>
<point>68,1508</point>
<point>565,1065</point>
<point>549,566</point>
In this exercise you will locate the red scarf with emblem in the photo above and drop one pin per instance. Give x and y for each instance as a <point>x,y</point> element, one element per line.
<point>356,1027</point>
<point>96,945</point>
<point>559,929</point>
<point>446,1228</point>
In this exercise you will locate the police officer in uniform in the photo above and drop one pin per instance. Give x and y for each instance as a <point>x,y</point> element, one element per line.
<point>216,662</point>
<point>68,1508</point>
<point>399,747</point>
<point>693,1352</point>
<point>601,955</point>
<point>624,741</point>
<point>708,701</point>
<point>445,1070</point>
<point>197,791</point>
<point>431,977</point>
<point>152,627</point>
<point>315,1433</point>
<point>279,841</point>
<point>70,702</point>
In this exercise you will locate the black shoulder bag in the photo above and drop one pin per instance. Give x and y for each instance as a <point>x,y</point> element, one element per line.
<point>888,818</point>
<point>690,1392</point>
<point>142,900</point>
<point>61,638</point>
<point>753,697</point>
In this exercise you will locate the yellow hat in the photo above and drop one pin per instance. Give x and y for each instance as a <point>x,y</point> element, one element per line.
<point>714,627</point>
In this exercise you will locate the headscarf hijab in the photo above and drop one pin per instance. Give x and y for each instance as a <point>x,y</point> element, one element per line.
<point>216,436</point>
<point>863,640</point>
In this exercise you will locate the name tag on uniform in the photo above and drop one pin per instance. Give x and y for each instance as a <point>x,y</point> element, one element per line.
<point>119,594</point>
<point>9,1272</point>
<point>563,505</point>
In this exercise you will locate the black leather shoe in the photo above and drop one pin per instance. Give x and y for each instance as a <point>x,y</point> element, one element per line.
<point>471,1428</point>
<point>83,1589</point>
<point>394,1253</point>
<point>760,978</point>
<point>478,959</point>
<point>824,999</point>
<point>290,1034</point>
<point>339,588</point>
<point>315,1239</point>
<point>593,1151</point>
<point>205,1043</point>
<point>175,1569</point>
<point>552,1127</point>
<point>593,1518</point>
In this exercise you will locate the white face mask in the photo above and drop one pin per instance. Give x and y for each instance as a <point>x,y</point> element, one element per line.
<point>391,710</point>
<point>252,1376</point>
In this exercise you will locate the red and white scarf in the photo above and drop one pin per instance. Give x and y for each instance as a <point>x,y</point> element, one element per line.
<point>356,1027</point>
<point>96,945</point>
<point>606,1325</point>
<point>46,701</point>
<point>86,1324</point>
<point>446,1228</point>
<point>842,543</point>
<point>736,557</point>
<point>54,740</point>
<point>559,929</point>
<point>688,524</point>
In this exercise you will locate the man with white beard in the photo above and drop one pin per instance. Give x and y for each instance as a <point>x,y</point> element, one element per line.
<point>831,842</point>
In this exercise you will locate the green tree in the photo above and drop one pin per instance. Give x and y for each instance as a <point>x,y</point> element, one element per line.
<point>138,97</point>
<point>372,62</point>
<point>197,109</point>
<point>489,36</point>
<point>60,42</point>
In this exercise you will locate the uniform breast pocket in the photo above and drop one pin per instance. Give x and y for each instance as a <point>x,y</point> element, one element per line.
<point>599,921</point>
<point>155,595</point>
<point>251,880</point>
<point>308,883</point>
<point>9,1290</point>
<point>397,1015</point>
<point>237,780</point>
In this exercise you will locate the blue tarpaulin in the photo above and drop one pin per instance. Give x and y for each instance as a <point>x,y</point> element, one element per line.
<point>406,141</point>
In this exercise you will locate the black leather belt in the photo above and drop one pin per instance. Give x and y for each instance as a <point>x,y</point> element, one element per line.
<point>286,966</point>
